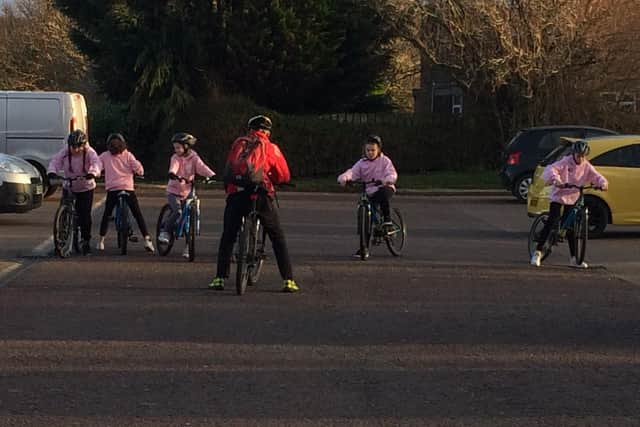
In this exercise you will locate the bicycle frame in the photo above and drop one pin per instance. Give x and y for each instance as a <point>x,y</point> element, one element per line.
<point>184,222</point>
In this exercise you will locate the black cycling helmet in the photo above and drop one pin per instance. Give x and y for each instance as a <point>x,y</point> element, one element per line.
<point>116,143</point>
<point>581,148</point>
<point>186,139</point>
<point>77,138</point>
<point>374,139</point>
<point>259,122</point>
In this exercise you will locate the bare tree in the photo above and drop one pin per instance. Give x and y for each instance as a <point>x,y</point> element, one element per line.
<point>37,51</point>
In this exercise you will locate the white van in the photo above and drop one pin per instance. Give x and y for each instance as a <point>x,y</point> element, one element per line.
<point>35,125</point>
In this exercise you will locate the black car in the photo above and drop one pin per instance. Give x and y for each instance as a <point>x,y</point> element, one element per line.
<point>530,146</point>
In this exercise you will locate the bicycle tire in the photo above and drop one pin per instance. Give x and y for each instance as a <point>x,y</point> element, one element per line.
<point>534,234</point>
<point>63,231</point>
<point>581,234</point>
<point>256,252</point>
<point>396,237</point>
<point>123,225</point>
<point>241,261</point>
<point>191,233</point>
<point>164,248</point>
<point>364,230</point>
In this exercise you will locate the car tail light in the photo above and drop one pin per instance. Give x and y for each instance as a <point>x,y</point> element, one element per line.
<point>514,158</point>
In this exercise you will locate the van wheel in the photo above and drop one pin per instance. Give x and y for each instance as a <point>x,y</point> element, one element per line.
<point>521,187</point>
<point>598,216</point>
<point>47,189</point>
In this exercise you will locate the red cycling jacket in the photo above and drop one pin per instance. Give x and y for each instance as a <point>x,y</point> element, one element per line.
<point>275,167</point>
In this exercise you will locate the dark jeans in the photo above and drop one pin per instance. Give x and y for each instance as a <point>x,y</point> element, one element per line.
<point>238,205</point>
<point>132,201</point>
<point>382,198</point>
<point>84,202</point>
<point>175,202</point>
<point>554,219</point>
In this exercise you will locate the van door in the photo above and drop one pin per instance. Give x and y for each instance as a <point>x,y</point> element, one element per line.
<point>3,124</point>
<point>35,126</point>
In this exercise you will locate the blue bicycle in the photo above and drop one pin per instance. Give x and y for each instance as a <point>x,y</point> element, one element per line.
<point>188,225</point>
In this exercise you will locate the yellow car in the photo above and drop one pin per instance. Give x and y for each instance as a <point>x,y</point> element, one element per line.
<point>618,159</point>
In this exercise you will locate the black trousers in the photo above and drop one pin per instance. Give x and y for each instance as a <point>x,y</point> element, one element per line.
<point>84,202</point>
<point>132,201</point>
<point>554,219</point>
<point>238,205</point>
<point>382,197</point>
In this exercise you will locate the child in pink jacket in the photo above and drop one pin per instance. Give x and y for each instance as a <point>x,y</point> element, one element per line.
<point>573,169</point>
<point>186,164</point>
<point>120,165</point>
<point>375,166</point>
<point>78,160</point>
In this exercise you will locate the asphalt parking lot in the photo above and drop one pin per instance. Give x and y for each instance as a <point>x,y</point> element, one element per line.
<point>460,330</point>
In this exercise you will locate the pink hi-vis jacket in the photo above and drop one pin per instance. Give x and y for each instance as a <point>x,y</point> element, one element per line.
<point>381,168</point>
<point>119,170</point>
<point>186,167</point>
<point>82,163</point>
<point>566,171</point>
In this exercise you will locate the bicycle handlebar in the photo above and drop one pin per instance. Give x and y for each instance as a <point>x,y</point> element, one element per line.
<point>579,187</point>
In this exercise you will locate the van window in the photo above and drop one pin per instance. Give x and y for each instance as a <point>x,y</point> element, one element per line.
<point>34,115</point>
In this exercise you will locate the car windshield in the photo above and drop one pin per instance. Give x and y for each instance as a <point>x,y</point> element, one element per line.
<point>557,153</point>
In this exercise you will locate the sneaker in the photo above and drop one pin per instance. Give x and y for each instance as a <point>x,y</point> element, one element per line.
<point>100,245</point>
<point>290,286</point>
<point>217,284</point>
<point>86,247</point>
<point>185,252</point>
<point>536,258</point>
<point>574,263</point>
<point>357,254</point>
<point>163,237</point>
<point>148,244</point>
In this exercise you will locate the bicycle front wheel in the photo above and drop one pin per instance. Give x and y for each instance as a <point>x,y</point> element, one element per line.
<point>364,230</point>
<point>256,252</point>
<point>242,266</point>
<point>191,233</point>
<point>535,233</point>
<point>396,236</point>
<point>164,247</point>
<point>63,231</point>
<point>122,225</point>
<point>580,234</point>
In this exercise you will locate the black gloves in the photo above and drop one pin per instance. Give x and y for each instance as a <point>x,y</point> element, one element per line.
<point>89,176</point>
<point>173,176</point>
<point>52,175</point>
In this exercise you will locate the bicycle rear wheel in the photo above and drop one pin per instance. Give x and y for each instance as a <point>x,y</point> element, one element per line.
<point>364,231</point>
<point>534,236</point>
<point>242,266</point>
<point>191,233</point>
<point>580,234</point>
<point>397,235</point>
<point>122,225</point>
<point>63,231</point>
<point>164,248</point>
<point>256,252</point>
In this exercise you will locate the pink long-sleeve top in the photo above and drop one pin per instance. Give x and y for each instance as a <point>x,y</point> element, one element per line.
<point>567,171</point>
<point>186,167</point>
<point>119,170</point>
<point>73,165</point>
<point>381,168</point>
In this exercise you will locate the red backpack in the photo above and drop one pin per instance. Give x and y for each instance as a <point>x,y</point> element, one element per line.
<point>247,168</point>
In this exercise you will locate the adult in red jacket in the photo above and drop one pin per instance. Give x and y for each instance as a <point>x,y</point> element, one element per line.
<point>274,170</point>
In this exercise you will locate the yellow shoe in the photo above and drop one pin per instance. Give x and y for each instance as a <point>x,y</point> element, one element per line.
<point>290,286</point>
<point>217,284</point>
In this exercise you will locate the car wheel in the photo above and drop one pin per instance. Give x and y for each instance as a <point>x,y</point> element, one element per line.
<point>521,187</point>
<point>598,216</point>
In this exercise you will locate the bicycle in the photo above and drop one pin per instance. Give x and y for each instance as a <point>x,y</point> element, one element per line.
<point>370,228</point>
<point>66,228</point>
<point>123,219</point>
<point>577,220</point>
<point>252,237</point>
<point>188,225</point>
